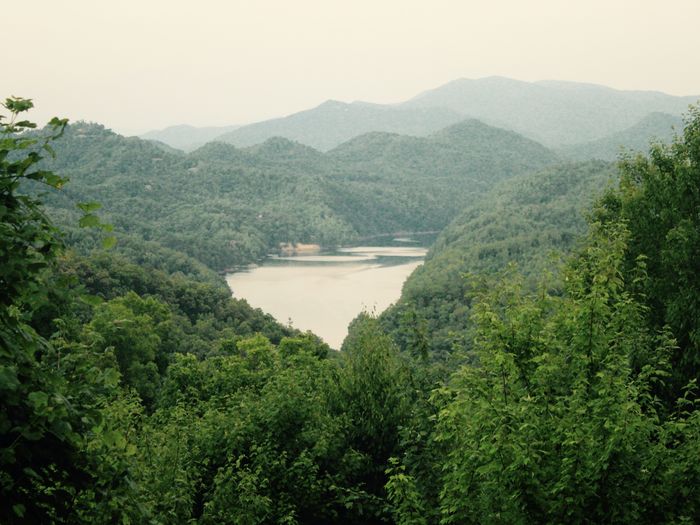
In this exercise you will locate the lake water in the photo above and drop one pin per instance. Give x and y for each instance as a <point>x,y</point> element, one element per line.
<point>324,292</point>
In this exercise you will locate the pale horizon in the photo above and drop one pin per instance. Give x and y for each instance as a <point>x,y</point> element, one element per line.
<point>138,67</point>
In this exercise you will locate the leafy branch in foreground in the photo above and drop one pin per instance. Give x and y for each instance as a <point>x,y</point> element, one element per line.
<point>51,393</point>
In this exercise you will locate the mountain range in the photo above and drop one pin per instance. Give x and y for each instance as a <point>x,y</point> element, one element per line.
<point>557,114</point>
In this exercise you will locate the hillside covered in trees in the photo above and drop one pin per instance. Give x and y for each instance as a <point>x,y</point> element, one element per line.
<point>226,206</point>
<point>136,390</point>
<point>529,222</point>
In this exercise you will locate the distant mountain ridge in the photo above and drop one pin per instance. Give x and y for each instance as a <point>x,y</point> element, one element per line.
<point>186,137</point>
<point>455,148</point>
<point>654,127</point>
<point>332,123</point>
<point>555,113</point>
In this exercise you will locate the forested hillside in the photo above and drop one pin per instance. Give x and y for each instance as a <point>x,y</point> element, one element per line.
<point>187,138</point>
<point>524,221</point>
<point>226,206</point>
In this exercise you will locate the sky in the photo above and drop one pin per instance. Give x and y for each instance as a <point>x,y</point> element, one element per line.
<point>147,64</point>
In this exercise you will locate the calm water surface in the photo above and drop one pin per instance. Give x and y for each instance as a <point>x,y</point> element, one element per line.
<point>323,293</point>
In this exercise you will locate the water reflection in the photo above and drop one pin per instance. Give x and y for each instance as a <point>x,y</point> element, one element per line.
<point>324,292</point>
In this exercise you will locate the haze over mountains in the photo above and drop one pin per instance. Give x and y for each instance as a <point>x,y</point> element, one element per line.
<point>656,127</point>
<point>340,172</point>
<point>557,114</point>
<point>195,324</point>
<point>554,113</point>
<point>186,137</point>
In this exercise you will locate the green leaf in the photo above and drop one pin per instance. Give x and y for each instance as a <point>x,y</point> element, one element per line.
<point>110,377</point>
<point>109,242</point>
<point>114,438</point>
<point>53,180</point>
<point>25,124</point>
<point>8,378</point>
<point>18,104</point>
<point>89,221</point>
<point>49,150</point>
<point>89,207</point>
<point>39,400</point>
<point>92,300</point>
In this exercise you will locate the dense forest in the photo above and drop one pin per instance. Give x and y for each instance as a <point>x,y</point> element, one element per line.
<point>226,206</point>
<point>509,384</point>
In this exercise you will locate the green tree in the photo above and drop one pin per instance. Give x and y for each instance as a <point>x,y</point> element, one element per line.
<point>130,327</point>
<point>375,394</point>
<point>554,424</point>
<point>51,391</point>
<point>659,199</point>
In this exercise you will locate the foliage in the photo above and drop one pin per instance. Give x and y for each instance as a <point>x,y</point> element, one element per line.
<point>136,390</point>
<point>52,392</point>
<point>659,199</point>
<point>375,394</point>
<point>554,425</point>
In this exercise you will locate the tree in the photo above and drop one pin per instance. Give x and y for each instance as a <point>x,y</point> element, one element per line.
<point>37,441</point>
<point>52,392</point>
<point>659,200</point>
<point>554,424</point>
<point>375,394</point>
<point>129,326</point>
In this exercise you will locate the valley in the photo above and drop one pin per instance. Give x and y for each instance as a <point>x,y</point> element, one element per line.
<point>228,207</point>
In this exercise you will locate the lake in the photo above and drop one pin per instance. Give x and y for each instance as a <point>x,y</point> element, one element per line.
<point>324,292</point>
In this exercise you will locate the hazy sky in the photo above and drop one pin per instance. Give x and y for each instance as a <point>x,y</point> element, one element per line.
<point>139,65</point>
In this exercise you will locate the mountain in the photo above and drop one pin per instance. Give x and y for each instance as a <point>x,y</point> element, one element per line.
<point>551,112</point>
<point>185,137</point>
<point>652,128</point>
<point>456,144</point>
<point>226,206</point>
<point>333,123</point>
<point>428,180</point>
<point>383,182</point>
